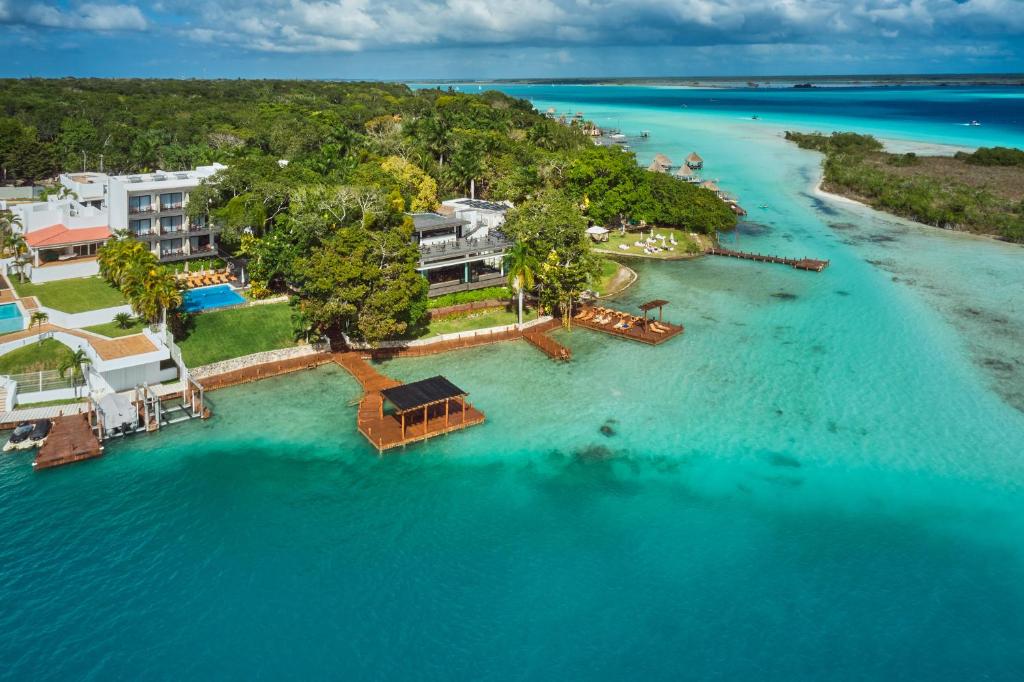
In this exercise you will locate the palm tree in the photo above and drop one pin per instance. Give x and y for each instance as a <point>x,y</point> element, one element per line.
<point>466,165</point>
<point>120,255</point>
<point>76,361</point>
<point>8,222</point>
<point>123,320</point>
<point>38,319</point>
<point>15,244</point>
<point>521,267</point>
<point>434,131</point>
<point>151,289</point>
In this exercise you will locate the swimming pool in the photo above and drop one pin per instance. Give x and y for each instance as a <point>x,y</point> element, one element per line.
<point>10,318</point>
<point>207,298</point>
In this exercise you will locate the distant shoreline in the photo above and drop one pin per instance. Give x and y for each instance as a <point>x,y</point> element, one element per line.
<point>876,80</point>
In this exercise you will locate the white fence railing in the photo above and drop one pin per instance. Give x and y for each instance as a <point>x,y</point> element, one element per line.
<point>45,380</point>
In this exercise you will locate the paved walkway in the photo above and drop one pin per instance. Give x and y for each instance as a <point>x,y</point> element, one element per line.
<point>107,349</point>
<point>32,413</point>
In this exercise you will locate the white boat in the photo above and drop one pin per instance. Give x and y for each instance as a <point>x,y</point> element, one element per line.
<point>618,136</point>
<point>974,123</point>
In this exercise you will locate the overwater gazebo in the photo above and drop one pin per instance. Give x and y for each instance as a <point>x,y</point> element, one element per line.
<point>423,400</point>
<point>694,161</point>
<point>660,164</point>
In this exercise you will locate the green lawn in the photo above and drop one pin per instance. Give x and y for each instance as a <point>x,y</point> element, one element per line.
<point>235,332</point>
<point>481,320</point>
<point>72,295</point>
<point>111,330</point>
<point>686,244</point>
<point>34,357</point>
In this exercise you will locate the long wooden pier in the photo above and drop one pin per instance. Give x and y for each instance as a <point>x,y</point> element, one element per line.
<point>386,431</point>
<point>812,264</point>
<point>537,336</point>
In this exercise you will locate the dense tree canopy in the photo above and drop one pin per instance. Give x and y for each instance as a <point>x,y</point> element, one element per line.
<point>319,175</point>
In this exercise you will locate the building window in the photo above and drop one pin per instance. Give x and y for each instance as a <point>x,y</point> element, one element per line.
<point>141,228</point>
<point>170,224</point>
<point>140,204</point>
<point>170,247</point>
<point>170,201</point>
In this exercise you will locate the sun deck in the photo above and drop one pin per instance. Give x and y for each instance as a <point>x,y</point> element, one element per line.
<point>628,326</point>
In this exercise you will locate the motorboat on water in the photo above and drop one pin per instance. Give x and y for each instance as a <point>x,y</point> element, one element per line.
<point>21,432</point>
<point>974,123</point>
<point>28,435</point>
<point>755,117</point>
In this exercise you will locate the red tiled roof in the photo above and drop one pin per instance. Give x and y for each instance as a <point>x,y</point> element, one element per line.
<point>57,235</point>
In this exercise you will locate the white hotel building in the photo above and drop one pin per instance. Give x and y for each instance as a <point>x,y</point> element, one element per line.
<point>63,234</point>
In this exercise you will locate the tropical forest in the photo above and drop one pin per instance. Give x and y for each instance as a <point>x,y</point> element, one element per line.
<point>320,177</point>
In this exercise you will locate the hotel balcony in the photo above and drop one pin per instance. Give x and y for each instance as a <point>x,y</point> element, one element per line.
<point>171,207</point>
<point>141,210</point>
<point>464,249</point>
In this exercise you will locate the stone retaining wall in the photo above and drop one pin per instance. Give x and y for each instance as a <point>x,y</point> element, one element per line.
<point>248,361</point>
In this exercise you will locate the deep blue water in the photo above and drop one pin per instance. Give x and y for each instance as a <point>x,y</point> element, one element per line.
<point>207,298</point>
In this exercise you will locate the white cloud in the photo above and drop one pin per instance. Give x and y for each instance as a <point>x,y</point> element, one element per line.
<point>325,26</point>
<point>87,16</point>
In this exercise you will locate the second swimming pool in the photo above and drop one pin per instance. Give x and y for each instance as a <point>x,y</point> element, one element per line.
<point>10,318</point>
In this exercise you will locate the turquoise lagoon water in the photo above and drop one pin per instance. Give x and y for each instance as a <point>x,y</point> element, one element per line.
<point>820,480</point>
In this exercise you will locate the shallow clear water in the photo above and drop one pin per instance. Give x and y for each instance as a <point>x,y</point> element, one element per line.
<point>821,479</point>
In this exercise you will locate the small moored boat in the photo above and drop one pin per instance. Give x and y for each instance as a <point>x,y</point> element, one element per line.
<point>40,432</point>
<point>21,433</point>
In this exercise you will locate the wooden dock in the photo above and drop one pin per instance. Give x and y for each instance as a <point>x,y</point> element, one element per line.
<point>386,431</point>
<point>627,326</point>
<point>71,439</point>
<point>799,263</point>
<point>537,336</point>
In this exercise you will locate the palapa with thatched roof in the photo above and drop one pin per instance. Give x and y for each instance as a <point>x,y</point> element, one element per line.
<point>684,172</point>
<point>708,184</point>
<point>660,164</point>
<point>694,161</point>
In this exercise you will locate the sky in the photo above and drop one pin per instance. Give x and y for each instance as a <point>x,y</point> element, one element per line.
<point>480,39</point>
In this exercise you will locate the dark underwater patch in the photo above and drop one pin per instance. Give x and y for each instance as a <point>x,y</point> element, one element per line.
<point>784,296</point>
<point>822,206</point>
<point>998,365</point>
<point>752,229</point>
<point>608,428</point>
<point>594,453</point>
<point>778,459</point>
<point>786,481</point>
<point>840,292</point>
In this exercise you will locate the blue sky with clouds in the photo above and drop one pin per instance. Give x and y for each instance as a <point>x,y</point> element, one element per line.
<point>410,39</point>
